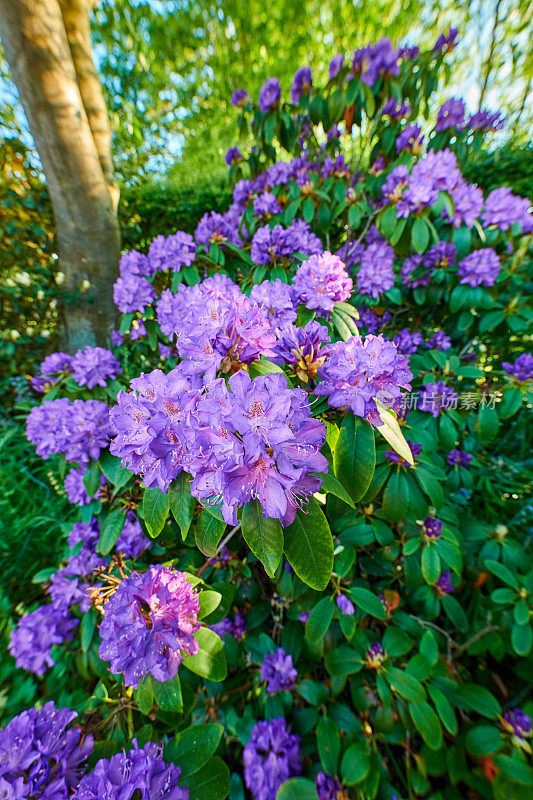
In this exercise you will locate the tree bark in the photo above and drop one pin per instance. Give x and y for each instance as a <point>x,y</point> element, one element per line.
<point>77,169</point>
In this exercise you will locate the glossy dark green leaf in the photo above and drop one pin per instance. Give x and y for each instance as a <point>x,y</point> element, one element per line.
<point>155,510</point>
<point>208,532</point>
<point>182,503</point>
<point>309,547</point>
<point>210,661</point>
<point>191,748</point>
<point>263,536</point>
<point>354,456</point>
<point>110,531</point>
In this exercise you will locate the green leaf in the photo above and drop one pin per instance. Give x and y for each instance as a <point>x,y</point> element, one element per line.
<point>92,478</point>
<point>87,628</point>
<point>477,698</point>
<point>113,470</point>
<point>329,745</point>
<point>182,503</point>
<point>522,639</point>
<point>396,642</point>
<point>405,685</point>
<point>263,536</point>
<point>454,611</point>
<point>420,235</point>
<point>309,547</point>
<point>155,510</point>
<point>355,456</point>
<point>391,432</point>
<point>355,764</point>
<point>319,620</point>
<point>193,747</point>
<point>211,781</point>
<point>209,662</point>
<point>395,497</point>
<point>483,740</point>
<point>297,789</point>
<point>427,723</point>
<point>308,210</point>
<point>144,695</point>
<point>168,694</point>
<point>502,572</point>
<point>209,602</point>
<point>343,661</point>
<point>515,769</point>
<point>488,424</point>
<point>367,602</point>
<point>208,532</point>
<point>430,564</point>
<point>332,485</point>
<point>110,531</point>
<point>429,648</point>
<point>444,709</point>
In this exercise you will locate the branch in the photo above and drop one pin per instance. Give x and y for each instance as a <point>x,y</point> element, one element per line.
<point>76,20</point>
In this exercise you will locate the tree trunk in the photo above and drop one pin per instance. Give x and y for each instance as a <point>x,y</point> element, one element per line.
<point>76,161</point>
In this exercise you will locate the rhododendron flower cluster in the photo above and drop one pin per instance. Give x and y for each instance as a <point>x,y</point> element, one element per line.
<point>75,488</point>
<point>171,252</point>
<point>149,624</point>
<point>321,281</point>
<point>376,273</point>
<point>270,95</point>
<point>141,770</point>
<point>360,371</point>
<point>36,633</point>
<point>256,439</point>
<point>278,672</point>
<point>79,429</point>
<point>435,396</point>
<point>40,756</point>
<point>503,209</point>
<point>480,268</point>
<point>276,298</point>
<point>522,369</point>
<point>94,366</point>
<point>271,757</point>
<point>302,349</point>
<point>272,244</point>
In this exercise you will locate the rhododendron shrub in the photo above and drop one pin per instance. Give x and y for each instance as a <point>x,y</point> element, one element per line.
<point>300,568</point>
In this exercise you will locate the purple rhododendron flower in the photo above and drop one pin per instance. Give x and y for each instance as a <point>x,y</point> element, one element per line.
<point>302,348</point>
<point>141,770</point>
<point>345,605</point>
<point>271,757</point>
<point>407,342</point>
<point>451,114</point>
<point>239,97</point>
<point>521,369</point>
<point>233,156</point>
<point>432,528</point>
<point>270,95</point>
<point>172,252</point>
<point>53,366</point>
<point>86,560</point>
<point>132,293</point>
<point>485,121</point>
<point>94,366</point>
<point>75,488</point>
<point>215,228</point>
<point>446,43</point>
<point>277,670</point>
<point>396,458</point>
<point>117,338</point>
<point>321,281</point>
<point>79,429</point>
<point>376,272</point>
<point>444,584</point>
<point>276,298</point>
<point>335,65</point>
<point>134,263</point>
<point>375,60</point>
<point>327,787</point>
<point>271,244</point>
<point>375,655</point>
<point>410,138</point>
<point>359,372</point>
<point>373,321</point>
<point>480,268</point>
<point>148,625</point>
<point>266,205</point>
<point>301,84</point>
<point>32,640</point>
<point>395,110</point>
<point>503,209</point>
<point>435,396</point>
<point>517,722</point>
<point>459,457</point>
<point>40,756</point>
<point>439,341</point>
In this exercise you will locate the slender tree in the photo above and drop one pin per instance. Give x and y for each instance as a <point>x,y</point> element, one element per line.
<point>48,49</point>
